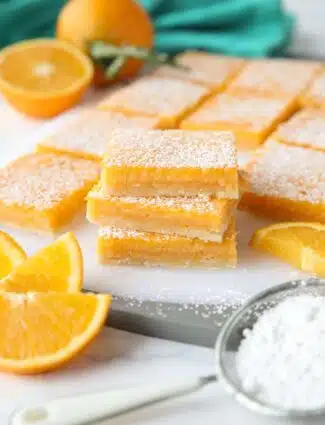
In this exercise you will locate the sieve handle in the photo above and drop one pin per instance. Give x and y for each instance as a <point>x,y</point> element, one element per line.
<point>85,409</point>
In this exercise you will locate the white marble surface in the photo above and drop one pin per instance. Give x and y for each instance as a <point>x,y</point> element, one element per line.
<point>121,360</point>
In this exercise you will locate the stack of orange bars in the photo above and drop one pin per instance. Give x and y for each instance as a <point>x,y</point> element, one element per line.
<point>167,198</point>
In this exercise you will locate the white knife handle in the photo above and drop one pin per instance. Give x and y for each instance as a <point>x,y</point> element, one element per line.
<point>85,409</point>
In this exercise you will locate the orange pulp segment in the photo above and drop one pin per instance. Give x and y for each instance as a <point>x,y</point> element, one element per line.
<point>43,77</point>
<point>11,254</point>
<point>300,244</point>
<point>57,267</point>
<point>41,331</point>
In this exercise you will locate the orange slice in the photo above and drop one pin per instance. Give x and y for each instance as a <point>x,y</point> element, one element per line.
<point>43,77</point>
<point>11,254</point>
<point>57,267</point>
<point>40,332</point>
<point>299,244</point>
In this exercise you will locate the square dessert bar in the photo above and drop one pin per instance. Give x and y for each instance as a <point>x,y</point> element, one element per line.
<point>167,100</point>
<point>172,162</point>
<point>202,216</point>
<point>43,191</point>
<point>314,96</point>
<point>286,183</point>
<point>306,128</point>
<point>213,71</point>
<point>117,246</point>
<point>87,135</point>
<point>250,117</point>
<point>276,77</point>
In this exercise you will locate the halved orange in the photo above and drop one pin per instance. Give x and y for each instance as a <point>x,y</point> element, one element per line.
<point>11,254</point>
<point>57,267</point>
<point>44,77</point>
<point>299,244</point>
<point>40,332</point>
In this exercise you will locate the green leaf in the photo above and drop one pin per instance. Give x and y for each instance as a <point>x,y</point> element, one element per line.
<point>114,68</point>
<point>102,52</point>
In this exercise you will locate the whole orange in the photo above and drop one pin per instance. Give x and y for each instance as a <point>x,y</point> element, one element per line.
<point>119,22</point>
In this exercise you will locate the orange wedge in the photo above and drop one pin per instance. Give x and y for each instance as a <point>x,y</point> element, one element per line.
<point>11,254</point>
<point>299,244</point>
<point>44,77</point>
<point>57,267</point>
<point>41,332</point>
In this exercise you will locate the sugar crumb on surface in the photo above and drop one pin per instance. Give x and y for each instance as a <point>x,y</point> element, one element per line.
<point>156,96</point>
<point>40,180</point>
<point>91,129</point>
<point>215,308</point>
<point>201,203</point>
<point>171,149</point>
<point>286,76</point>
<point>307,127</point>
<point>253,111</point>
<point>117,233</point>
<point>109,232</point>
<point>202,67</point>
<point>290,172</point>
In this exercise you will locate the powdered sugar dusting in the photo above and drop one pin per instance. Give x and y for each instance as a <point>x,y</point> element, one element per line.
<point>281,359</point>
<point>201,203</point>
<point>252,111</point>
<point>171,149</point>
<point>204,68</point>
<point>288,171</point>
<point>276,76</point>
<point>91,130</point>
<point>307,127</point>
<point>156,96</point>
<point>117,233</point>
<point>42,180</point>
<point>215,309</point>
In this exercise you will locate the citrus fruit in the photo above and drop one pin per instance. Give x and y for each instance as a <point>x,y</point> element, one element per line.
<point>299,244</point>
<point>44,77</point>
<point>117,22</point>
<point>57,267</point>
<point>41,331</point>
<point>11,254</point>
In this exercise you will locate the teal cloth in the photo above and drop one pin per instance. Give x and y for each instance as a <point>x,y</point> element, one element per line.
<point>238,27</point>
